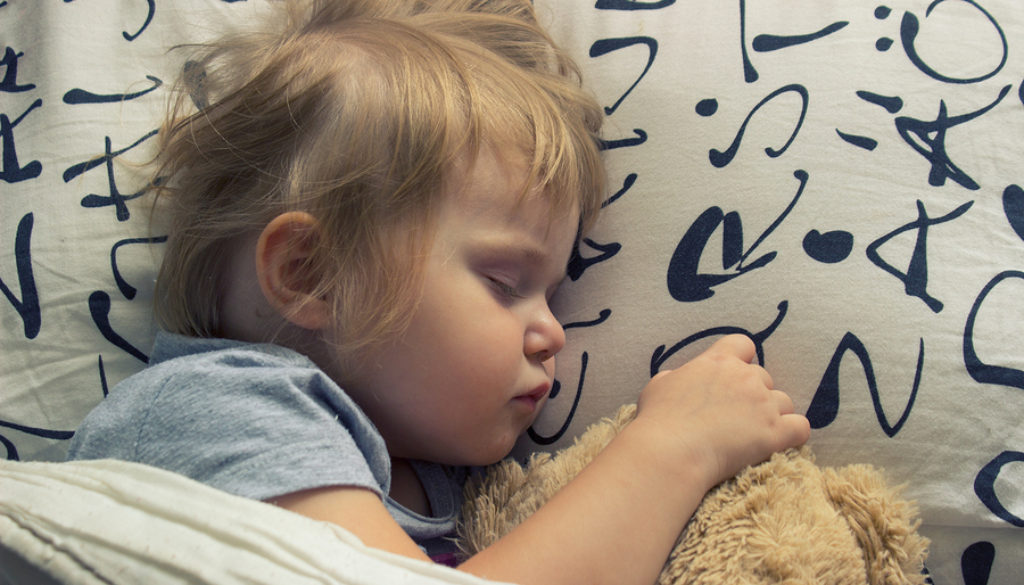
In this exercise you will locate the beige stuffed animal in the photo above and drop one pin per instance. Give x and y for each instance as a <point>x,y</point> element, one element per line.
<point>786,520</point>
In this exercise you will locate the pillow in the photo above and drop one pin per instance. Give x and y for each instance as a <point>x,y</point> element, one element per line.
<point>842,183</point>
<point>83,87</point>
<point>837,181</point>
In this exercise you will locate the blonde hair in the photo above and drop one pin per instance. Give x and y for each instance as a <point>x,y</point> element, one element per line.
<point>356,112</point>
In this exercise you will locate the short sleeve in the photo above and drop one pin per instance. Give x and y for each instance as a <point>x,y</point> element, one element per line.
<point>245,421</point>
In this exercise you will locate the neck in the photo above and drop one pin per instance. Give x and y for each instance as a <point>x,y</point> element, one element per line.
<point>406,488</point>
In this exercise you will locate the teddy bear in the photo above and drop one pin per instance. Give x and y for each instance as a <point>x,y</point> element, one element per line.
<point>787,520</point>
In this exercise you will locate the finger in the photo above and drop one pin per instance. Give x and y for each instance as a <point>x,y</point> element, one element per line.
<point>784,402</point>
<point>798,429</point>
<point>737,345</point>
<point>766,378</point>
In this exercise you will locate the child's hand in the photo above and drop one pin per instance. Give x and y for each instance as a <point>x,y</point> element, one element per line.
<point>720,412</point>
<point>696,426</point>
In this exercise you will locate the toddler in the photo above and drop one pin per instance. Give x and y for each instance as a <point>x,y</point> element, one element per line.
<point>369,214</point>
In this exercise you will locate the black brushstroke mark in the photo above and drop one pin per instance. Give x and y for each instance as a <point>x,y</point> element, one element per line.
<point>549,439</point>
<point>910,27</point>
<point>99,308</point>
<point>80,96</point>
<point>979,370</point>
<point>661,355</point>
<point>765,43</point>
<point>824,405</point>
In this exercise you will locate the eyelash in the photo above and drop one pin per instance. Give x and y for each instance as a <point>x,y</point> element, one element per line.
<point>505,289</point>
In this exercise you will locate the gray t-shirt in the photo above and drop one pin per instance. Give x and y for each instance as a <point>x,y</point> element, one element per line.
<point>258,421</point>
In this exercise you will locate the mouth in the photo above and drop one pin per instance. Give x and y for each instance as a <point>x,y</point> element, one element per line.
<point>533,398</point>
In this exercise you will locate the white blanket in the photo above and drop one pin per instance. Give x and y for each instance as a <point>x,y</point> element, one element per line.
<point>107,522</point>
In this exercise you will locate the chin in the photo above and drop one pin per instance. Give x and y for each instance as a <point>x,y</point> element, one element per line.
<point>488,458</point>
<point>493,454</point>
<point>474,450</point>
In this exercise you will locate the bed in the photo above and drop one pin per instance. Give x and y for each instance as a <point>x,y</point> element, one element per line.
<point>840,181</point>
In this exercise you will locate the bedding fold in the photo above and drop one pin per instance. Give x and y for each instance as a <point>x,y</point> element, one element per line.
<point>88,522</point>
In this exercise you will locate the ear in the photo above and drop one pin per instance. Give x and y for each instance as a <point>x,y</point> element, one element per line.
<point>283,252</point>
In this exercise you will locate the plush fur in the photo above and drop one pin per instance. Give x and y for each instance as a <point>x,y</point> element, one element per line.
<point>787,520</point>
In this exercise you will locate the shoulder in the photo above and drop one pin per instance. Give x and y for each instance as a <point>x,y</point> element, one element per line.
<point>187,379</point>
<point>252,419</point>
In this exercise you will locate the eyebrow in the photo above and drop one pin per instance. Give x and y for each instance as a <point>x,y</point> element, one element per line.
<point>528,252</point>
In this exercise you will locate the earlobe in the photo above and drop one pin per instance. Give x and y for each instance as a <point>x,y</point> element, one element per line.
<point>284,269</point>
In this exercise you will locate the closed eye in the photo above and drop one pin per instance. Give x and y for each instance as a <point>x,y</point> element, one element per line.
<point>504,288</point>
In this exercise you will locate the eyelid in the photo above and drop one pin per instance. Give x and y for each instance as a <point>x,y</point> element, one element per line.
<point>505,288</point>
<point>515,273</point>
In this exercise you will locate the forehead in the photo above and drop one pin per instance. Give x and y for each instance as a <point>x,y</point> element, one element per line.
<point>496,186</point>
<point>489,199</point>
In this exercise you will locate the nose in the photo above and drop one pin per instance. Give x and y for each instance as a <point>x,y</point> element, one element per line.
<point>544,335</point>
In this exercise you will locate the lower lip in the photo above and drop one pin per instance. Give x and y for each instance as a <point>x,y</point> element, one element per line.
<point>528,401</point>
<point>532,400</point>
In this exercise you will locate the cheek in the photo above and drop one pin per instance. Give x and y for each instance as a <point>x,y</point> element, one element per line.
<point>463,348</point>
<point>488,355</point>
<point>470,324</point>
<point>461,331</point>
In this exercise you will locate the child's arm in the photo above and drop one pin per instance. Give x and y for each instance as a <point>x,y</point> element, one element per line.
<point>618,520</point>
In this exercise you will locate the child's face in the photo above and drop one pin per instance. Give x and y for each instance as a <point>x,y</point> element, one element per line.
<point>477,362</point>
